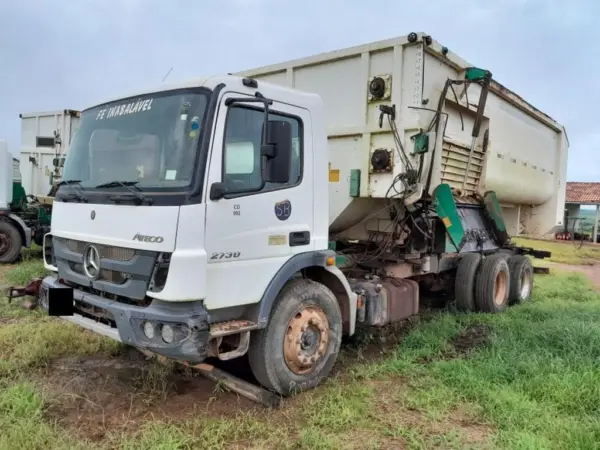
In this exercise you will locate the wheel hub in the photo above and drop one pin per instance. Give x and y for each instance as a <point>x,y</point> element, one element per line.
<point>306,339</point>
<point>500,288</point>
<point>526,281</point>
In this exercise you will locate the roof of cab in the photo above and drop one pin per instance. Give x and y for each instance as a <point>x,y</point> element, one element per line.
<point>231,81</point>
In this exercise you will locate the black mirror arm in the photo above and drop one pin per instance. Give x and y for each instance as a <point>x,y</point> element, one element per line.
<point>259,98</point>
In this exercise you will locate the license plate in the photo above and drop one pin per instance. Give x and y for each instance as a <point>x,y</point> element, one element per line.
<point>59,301</point>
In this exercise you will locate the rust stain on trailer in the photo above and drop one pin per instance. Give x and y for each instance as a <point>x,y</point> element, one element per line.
<point>516,99</point>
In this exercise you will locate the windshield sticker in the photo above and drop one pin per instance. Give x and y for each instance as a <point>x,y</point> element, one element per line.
<point>170,175</point>
<point>126,109</point>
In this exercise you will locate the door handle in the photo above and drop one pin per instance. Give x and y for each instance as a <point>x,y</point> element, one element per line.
<point>298,238</point>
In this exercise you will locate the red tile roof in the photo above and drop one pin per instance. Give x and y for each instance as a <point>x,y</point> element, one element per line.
<point>583,193</point>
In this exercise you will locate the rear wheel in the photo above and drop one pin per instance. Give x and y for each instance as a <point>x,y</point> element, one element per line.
<point>493,284</point>
<point>464,283</point>
<point>10,242</point>
<point>521,279</point>
<point>301,342</point>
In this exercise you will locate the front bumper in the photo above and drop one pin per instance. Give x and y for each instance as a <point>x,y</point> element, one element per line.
<point>188,320</point>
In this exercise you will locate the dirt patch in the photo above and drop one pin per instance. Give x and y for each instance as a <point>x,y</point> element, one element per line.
<point>373,344</point>
<point>472,338</point>
<point>94,395</point>
<point>463,344</point>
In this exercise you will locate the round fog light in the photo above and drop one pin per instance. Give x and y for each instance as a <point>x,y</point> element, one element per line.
<point>149,330</point>
<point>167,333</point>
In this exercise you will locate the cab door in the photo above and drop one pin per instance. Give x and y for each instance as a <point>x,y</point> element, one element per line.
<point>250,235</point>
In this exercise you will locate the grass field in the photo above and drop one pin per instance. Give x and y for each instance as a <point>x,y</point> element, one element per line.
<point>525,379</point>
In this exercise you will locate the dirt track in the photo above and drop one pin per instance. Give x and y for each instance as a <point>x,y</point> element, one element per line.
<point>592,272</point>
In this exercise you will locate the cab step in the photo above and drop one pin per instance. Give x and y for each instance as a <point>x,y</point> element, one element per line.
<point>231,327</point>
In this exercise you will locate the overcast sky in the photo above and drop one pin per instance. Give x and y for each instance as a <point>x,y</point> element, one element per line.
<point>74,53</point>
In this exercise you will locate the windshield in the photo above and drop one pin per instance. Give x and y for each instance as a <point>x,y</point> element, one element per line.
<point>150,140</point>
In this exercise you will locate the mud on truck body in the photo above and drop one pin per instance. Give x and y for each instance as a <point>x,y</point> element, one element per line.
<point>270,213</point>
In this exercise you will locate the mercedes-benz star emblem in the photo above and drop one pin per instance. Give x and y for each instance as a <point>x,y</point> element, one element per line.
<point>91,262</point>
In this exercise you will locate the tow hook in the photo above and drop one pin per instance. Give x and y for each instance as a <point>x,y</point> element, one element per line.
<point>32,289</point>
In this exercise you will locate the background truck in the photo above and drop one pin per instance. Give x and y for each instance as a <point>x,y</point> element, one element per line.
<point>23,218</point>
<point>272,212</point>
<point>45,140</point>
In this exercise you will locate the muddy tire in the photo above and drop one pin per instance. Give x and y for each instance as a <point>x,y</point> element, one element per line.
<point>493,284</point>
<point>521,279</point>
<point>464,283</point>
<point>10,242</point>
<point>301,342</point>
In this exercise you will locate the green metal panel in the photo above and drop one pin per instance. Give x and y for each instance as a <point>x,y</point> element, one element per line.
<point>19,197</point>
<point>447,212</point>
<point>355,183</point>
<point>495,216</point>
<point>421,143</point>
<point>476,74</point>
<point>492,206</point>
<point>44,216</point>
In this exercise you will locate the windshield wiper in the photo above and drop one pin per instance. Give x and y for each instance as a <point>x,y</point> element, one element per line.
<point>77,194</point>
<point>137,196</point>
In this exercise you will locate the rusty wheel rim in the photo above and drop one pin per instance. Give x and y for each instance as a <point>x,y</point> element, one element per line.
<point>500,288</point>
<point>4,243</point>
<point>306,340</point>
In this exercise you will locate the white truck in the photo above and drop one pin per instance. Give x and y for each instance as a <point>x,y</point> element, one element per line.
<point>45,140</point>
<point>270,213</point>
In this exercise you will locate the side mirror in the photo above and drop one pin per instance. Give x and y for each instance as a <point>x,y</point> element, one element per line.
<point>276,152</point>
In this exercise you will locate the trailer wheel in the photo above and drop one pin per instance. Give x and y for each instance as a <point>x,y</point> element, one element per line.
<point>10,242</point>
<point>493,284</point>
<point>301,342</point>
<point>521,279</point>
<point>464,283</point>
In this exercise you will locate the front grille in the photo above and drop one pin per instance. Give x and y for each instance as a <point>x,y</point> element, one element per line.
<point>106,251</point>
<point>124,272</point>
<point>113,276</point>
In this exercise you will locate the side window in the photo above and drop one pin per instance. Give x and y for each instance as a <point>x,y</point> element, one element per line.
<point>241,152</point>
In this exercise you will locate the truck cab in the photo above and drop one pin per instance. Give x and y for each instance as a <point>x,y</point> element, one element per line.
<point>184,212</point>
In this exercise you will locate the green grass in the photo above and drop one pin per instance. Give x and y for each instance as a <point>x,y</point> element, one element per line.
<point>536,380</point>
<point>22,273</point>
<point>532,384</point>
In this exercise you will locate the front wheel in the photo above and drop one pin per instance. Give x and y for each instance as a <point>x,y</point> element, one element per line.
<point>301,342</point>
<point>10,242</point>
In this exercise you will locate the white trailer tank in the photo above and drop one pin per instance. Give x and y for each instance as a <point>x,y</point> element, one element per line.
<point>38,149</point>
<point>521,153</point>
